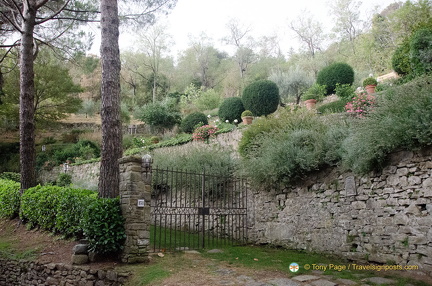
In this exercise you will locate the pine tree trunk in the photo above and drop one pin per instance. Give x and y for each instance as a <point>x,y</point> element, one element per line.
<point>110,109</point>
<point>27,95</point>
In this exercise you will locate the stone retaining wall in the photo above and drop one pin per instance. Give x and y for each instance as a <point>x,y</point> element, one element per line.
<point>384,217</point>
<point>26,273</point>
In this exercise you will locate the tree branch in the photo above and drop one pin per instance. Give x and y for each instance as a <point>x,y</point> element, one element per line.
<point>53,15</point>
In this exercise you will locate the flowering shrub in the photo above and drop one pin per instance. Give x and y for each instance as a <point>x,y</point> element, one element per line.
<point>361,104</point>
<point>204,132</point>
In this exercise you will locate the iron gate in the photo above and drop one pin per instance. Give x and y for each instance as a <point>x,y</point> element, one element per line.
<point>197,210</point>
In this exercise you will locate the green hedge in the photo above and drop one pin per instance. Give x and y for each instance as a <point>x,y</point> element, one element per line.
<point>9,198</point>
<point>75,213</point>
<point>103,226</point>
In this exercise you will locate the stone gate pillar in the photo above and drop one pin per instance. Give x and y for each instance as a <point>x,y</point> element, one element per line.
<point>135,189</point>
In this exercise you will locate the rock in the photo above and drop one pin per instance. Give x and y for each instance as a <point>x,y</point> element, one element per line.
<point>304,278</point>
<point>381,280</point>
<point>80,249</point>
<point>350,186</point>
<point>215,251</point>
<point>282,282</point>
<point>323,282</point>
<point>79,259</point>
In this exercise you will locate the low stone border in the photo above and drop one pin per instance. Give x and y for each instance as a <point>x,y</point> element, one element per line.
<point>26,273</point>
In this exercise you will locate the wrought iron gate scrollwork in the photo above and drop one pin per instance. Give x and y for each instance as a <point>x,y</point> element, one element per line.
<point>197,210</point>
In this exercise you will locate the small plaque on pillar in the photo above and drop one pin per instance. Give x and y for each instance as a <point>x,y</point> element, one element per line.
<point>141,203</point>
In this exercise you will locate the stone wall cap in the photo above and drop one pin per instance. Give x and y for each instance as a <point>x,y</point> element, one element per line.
<point>128,159</point>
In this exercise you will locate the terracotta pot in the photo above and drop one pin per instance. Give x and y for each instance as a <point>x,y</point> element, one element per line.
<point>370,89</point>
<point>247,120</point>
<point>310,103</point>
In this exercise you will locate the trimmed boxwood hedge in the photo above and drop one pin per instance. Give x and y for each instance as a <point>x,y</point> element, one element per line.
<point>75,213</point>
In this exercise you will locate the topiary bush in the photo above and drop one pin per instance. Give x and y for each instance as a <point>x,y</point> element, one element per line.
<point>261,97</point>
<point>103,226</point>
<point>231,109</point>
<point>9,198</point>
<point>191,121</point>
<point>333,74</point>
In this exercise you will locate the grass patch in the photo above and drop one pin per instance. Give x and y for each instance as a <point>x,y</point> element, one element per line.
<point>10,251</point>
<point>157,270</point>
<point>279,259</point>
<point>173,239</point>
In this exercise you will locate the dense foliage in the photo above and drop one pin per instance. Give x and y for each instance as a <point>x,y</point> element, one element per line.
<point>231,109</point>
<point>421,51</point>
<point>191,121</point>
<point>400,59</point>
<point>103,226</point>
<point>159,115</point>
<point>74,213</point>
<point>402,119</point>
<point>10,176</point>
<point>278,150</point>
<point>336,73</point>
<point>337,106</point>
<point>299,143</point>
<point>261,97</point>
<point>9,198</point>
<point>58,154</point>
<point>196,159</point>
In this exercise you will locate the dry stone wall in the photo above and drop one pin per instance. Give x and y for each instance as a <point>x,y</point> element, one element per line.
<point>85,175</point>
<point>26,273</point>
<point>384,217</point>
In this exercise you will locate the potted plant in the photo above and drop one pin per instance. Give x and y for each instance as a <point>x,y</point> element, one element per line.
<point>370,84</point>
<point>314,94</point>
<point>247,117</point>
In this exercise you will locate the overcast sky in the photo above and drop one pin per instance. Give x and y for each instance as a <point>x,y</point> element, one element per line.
<point>266,18</point>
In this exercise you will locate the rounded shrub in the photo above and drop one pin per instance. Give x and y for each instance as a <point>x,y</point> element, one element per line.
<point>191,122</point>
<point>261,97</point>
<point>336,73</point>
<point>401,60</point>
<point>231,109</point>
